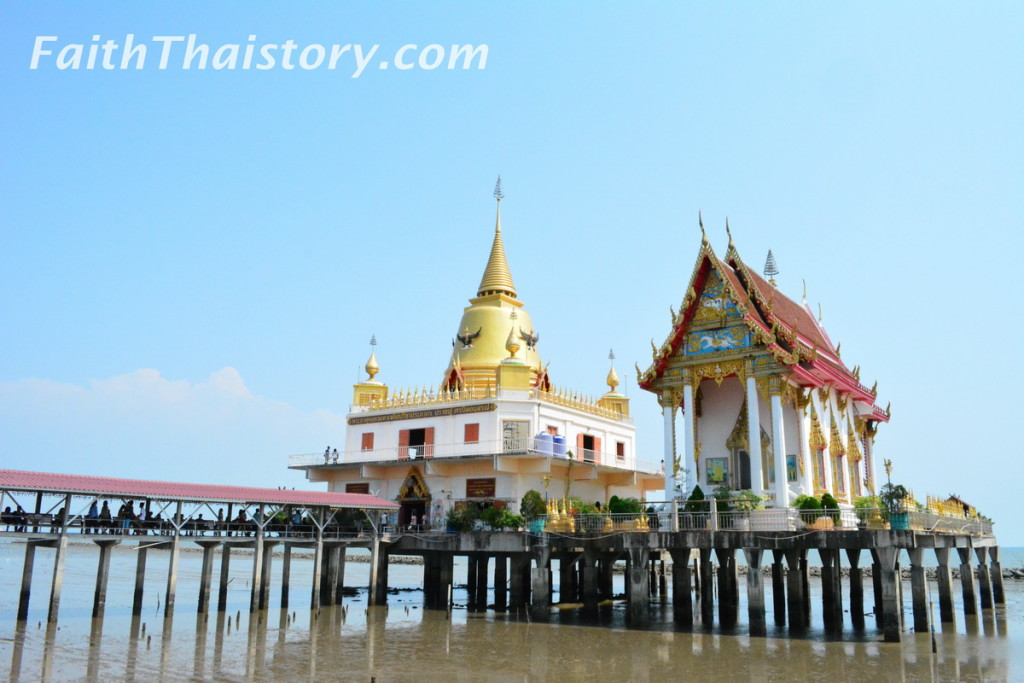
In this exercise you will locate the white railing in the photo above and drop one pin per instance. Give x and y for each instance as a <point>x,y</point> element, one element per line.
<point>513,446</point>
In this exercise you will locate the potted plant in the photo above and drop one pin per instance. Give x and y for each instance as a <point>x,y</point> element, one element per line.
<point>809,507</point>
<point>893,497</point>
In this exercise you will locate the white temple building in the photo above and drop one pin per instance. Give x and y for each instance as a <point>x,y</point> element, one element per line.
<point>495,426</point>
<point>755,395</point>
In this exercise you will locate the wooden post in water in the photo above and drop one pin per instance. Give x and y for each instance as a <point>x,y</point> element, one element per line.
<point>856,589</point>
<point>944,580</point>
<point>225,568</point>
<point>206,574</point>
<point>755,592</point>
<point>682,599</point>
<point>26,579</point>
<point>967,581</point>
<point>172,565</point>
<point>778,588</point>
<point>890,595</point>
<point>984,578</point>
<point>918,589</point>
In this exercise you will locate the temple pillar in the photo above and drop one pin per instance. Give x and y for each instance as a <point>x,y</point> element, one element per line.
<point>754,436</point>
<point>669,453</point>
<point>779,446</point>
<point>806,472</point>
<point>686,458</point>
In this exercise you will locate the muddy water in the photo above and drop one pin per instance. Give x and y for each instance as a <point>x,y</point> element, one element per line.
<point>403,642</point>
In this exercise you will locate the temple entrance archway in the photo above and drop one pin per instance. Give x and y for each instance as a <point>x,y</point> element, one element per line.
<point>413,499</point>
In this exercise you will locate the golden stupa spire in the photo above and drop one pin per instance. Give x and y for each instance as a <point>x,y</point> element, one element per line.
<point>512,343</point>
<point>497,277</point>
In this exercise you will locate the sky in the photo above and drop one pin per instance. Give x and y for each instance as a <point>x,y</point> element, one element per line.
<point>193,261</point>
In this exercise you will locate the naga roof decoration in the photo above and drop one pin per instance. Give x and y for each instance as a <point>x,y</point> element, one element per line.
<point>787,330</point>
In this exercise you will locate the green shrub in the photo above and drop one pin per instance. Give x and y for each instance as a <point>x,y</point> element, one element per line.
<point>748,500</point>
<point>809,507</point>
<point>463,518</point>
<point>624,505</point>
<point>831,507</point>
<point>696,501</point>
<point>865,504</point>
<point>500,519</point>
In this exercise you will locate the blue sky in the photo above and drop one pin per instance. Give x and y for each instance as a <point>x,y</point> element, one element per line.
<point>193,261</point>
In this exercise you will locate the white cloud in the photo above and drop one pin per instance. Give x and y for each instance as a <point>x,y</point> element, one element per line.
<point>143,425</point>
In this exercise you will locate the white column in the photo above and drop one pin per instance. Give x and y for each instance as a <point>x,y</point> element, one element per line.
<point>754,436</point>
<point>807,481</point>
<point>669,455</point>
<point>689,415</point>
<point>779,452</point>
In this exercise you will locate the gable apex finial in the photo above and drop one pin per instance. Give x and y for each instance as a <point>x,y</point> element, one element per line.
<point>703,235</point>
<point>729,233</point>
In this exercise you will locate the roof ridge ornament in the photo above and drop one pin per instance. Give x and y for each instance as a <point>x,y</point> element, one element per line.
<point>498,193</point>
<point>771,270</point>
<point>703,235</point>
<point>732,247</point>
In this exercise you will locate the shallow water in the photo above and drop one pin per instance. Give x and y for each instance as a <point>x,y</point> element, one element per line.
<point>404,642</point>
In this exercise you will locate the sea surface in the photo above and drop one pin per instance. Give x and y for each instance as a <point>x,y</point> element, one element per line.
<point>403,642</point>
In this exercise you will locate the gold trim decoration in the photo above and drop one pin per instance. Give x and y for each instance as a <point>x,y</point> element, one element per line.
<point>413,486</point>
<point>836,448</point>
<point>842,400</point>
<point>853,448</point>
<point>816,440</point>
<point>719,371</point>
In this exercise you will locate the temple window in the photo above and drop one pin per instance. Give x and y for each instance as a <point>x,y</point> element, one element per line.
<point>366,441</point>
<point>471,432</point>
<point>620,450</point>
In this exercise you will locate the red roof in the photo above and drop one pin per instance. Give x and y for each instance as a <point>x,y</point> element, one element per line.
<point>78,484</point>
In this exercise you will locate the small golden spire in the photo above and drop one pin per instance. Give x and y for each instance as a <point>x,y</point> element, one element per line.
<point>612,380</point>
<point>512,343</point>
<point>371,366</point>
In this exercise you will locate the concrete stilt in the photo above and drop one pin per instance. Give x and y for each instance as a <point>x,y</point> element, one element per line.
<point>856,589</point>
<point>471,580</point>
<point>500,582</point>
<point>876,589</point>
<point>795,590</point>
<point>172,566</point>
<point>268,557</point>
<point>967,581</point>
<point>99,601</point>
<point>662,579</point>
<point>483,565</point>
<point>378,573</point>
<point>206,574</point>
<point>604,577</point>
<point>728,587</point>
<point>998,595</point>
<point>890,598</point>
<point>918,589</point>
<point>682,599</point>
<point>637,587</point>
<point>778,588</point>
<point>329,575</point>
<point>755,592</point>
<point>26,580</point>
<point>431,581</point>
<point>540,579</point>
<point>446,576</point>
<point>318,560</point>
<point>944,579</point>
<point>707,600</point>
<point>518,581</point>
<point>984,578</point>
<point>805,580</point>
<point>828,590</point>
<point>286,575</point>
<point>339,584</point>
<point>140,580</point>
<point>257,565</point>
<point>566,579</point>
<point>589,586</point>
<point>61,547</point>
<point>225,578</point>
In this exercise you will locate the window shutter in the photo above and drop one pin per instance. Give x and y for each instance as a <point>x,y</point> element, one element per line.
<point>403,444</point>
<point>472,433</point>
<point>597,449</point>
<point>367,443</point>
<point>579,446</point>
<point>428,442</point>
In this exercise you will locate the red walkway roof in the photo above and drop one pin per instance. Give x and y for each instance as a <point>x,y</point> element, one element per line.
<point>78,484</point>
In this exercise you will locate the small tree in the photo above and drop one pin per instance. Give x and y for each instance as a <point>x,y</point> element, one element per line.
<point>532,505</point>
<point>809,507</point>
<point>893,497</point>
<point>831,507</point>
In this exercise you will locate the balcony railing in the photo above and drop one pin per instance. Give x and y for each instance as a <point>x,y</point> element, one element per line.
<point>508,446</point>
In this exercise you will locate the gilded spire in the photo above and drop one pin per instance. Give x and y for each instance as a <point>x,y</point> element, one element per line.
<point>512,343</point>
<point>497,277</point>
<point>613,378</point>
<point>371,366</point>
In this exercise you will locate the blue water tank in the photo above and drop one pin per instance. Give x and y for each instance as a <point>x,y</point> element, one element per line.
<point>542,443</point>
<point>559,446</point>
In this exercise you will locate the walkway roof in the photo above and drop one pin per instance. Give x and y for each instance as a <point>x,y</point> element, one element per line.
<point>84,485</point>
